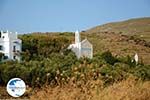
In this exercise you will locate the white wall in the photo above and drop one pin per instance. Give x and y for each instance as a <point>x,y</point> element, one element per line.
<point>7,41</point>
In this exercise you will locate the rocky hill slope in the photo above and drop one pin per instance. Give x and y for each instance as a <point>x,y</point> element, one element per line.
<point>122,38</point>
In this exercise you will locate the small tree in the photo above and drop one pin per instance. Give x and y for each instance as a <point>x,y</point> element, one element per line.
<point>109,58</point>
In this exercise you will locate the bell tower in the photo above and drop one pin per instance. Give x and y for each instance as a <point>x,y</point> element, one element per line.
<point>77,37</point>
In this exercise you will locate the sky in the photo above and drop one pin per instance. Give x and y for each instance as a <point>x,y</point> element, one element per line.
<point>26,16</point>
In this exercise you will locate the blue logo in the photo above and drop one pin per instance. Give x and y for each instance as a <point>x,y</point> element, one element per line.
<point>16,87</point>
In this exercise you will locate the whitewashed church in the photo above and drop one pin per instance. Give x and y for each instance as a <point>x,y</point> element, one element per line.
<point>81,48</point>
<point>10,45</point>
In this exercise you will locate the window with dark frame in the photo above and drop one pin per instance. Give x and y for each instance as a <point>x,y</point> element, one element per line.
<point>14,48</point>
<point>5,57</point>
<point>14,57</point>
<point>1,47</point>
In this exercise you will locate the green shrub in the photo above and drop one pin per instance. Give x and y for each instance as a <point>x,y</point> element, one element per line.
<point>142,72</point>
<point>47,61</point>
<point>108,57</point>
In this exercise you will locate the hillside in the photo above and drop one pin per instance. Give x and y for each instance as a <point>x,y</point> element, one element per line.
<point>138,27</point>
<point>52,72</point>
<point>122,38</point>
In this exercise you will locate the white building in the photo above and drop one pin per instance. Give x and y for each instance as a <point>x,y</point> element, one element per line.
<point>10,45</point>
<point>83,48</point>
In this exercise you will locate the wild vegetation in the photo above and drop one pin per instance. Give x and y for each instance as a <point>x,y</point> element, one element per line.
<point>47,63</point>
<point>128,89</point>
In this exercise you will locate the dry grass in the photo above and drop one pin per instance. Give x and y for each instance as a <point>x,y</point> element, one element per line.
<point>137,26</point>
<point>130,89</point>
<point>126,90</point>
